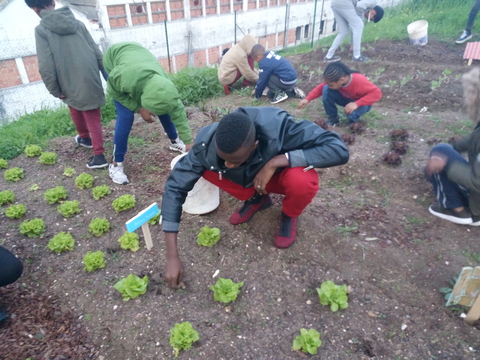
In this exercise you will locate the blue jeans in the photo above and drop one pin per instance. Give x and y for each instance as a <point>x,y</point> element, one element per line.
<point>332,98</point>
<point>124,125</point>
<point>449,194</point>
<point>472,15</point>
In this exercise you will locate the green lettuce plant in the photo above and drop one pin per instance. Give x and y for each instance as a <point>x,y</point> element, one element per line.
<point>32,228</point>
<point>208,236</point>
<point>48,158</point>
<point>333,295</point>
<point>132,286</point>
<point>6,196</point>
<point>13,174</point>
<point>307,341</point>
<point>99,226</point>
<point>100,191</point>
<point>68,208</point>
<point>123,202</point>
<point>83,181</point>
<point>32,150</point>
<point>55,194</point>
<point>69,172</point>
<point>34,187</point>
<point>225,290</point>
<point>182,336</point>
<point>94,260</point>
<point>16,211</point>
<point>61,242</point>
<point>154,220</point>
<point>3,164</point>
<point>129,241</point>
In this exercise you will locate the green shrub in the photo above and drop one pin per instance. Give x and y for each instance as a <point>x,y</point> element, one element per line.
<point>69,171</point>
<point>68,208</point>
<point>48,158</point>
<point>61,242</point>
<point>83,181</point>
<point>3,164</point>
<point>123,202</point>
<point>195,85</point>
<point>182,336</point>
<point>7,196</point>
<point>154,220</point>
<point>129,241</point>
<point>32,228</point>
<point>55,194</point>
<point>99,226</point>
<point>100,191</point>
<point>94,260</point>
<point>16,211</point>
<point>34,187</point>
<point>13,174</point>
<point>33,150</point>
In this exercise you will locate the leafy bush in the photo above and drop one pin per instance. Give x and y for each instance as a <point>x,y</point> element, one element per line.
<point>208,236</point>
<point>129,241</point>
<point>307,341</point>
<point>99,226</point>
<point>333,295</point>
<point>225,290</point>
<point>33,150</point>
<point>61,242</point>
<point>68,208</point>
<point>32,228</point>
<point>123,202</point>
<point>94,260</point>
<point>13,174</point>
<point>194,85</point>
<point>69,171</point>
<point>55,194</point>
<point>16,211</point>
<point>83,181</point>
<point>132,286</point>
<point>154,220</point>
<point>100,191</point>
<point>182,336</point>
<point>48,158</point>
<point>3,164</point>
<point>7,196</point>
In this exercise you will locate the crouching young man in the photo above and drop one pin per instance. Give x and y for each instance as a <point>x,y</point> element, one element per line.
<point>250,153</point>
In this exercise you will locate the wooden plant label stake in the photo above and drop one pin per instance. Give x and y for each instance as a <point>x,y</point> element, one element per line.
<point>141,220</point>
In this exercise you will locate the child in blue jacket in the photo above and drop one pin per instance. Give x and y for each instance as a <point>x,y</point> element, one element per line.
<point>278,74</point>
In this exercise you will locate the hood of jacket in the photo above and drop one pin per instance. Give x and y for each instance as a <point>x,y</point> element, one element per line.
<point>60,21</point>
<point>247,43</point>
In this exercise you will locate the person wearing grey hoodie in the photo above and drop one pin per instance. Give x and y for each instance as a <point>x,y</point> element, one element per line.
<point>70,63</point>
<point>349,14</point>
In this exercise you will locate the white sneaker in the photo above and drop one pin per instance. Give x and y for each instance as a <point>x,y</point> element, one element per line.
<point>177,145</point>
<point>299,94</point>
<point>117,174</point>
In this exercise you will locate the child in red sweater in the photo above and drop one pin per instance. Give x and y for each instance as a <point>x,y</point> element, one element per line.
<point>346,88</point>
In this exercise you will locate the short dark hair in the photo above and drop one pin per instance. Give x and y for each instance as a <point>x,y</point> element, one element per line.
<point>379,14</point>
<point>234,131</point>
<point>334,71</point>
<point>41,4</point>
<point>257,50</point>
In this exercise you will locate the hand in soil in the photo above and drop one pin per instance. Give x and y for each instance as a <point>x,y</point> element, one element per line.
<point>302,103</point>
<point>174,272</point>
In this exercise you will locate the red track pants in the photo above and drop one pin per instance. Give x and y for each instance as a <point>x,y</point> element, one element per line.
<point>298,186</point>
<point>89,125</point>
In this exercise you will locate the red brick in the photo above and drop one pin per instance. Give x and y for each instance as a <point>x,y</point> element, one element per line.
<point>164,63</point>
<point>195,13</point>
<point>181,61</point>
<point>138,20</point>
<point>158,6</point>
<point>9,74</point>
<point>224,9</point>
<point>121,22</point>
<point>252,4</point>
<point>281,36</point>
<point>31,66</point>
<point>199,59</point>
<point>156,18</point>
<point>291,36</point>
<point>271,41</point>
<point>177,15</point>
<point>213,55</point>
<point>262,3</point>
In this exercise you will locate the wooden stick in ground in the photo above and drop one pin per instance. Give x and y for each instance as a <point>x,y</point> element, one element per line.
<point>147,236</point>
<point>474,312</point>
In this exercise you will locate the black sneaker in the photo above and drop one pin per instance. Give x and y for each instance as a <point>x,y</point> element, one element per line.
<point>333,121</point>
<point>84,142</point>
<point>97,161</point>
<point>466,35</point>
<point>475,220</point>
<point>334,58</point>
<point>279,97</point>
<point>458,217</point>
<point>361,58</point>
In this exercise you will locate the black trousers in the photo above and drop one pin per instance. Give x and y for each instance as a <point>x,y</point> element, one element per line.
<point>11,268</point>
<point>275,85</point>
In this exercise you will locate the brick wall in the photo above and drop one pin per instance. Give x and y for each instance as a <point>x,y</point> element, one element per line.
<point>176,9</point>
<point>181,61</point>
<point>159,12</point>
<point>213,55</point>
<point>117,16</point>
<point>9,74</point>
<point>199,59</point>
<point>291,36</point>
<point>224,6</point>
<point>164,63</point>
<point>31,66</point>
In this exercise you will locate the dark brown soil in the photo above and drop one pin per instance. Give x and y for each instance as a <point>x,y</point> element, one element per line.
<point>368,227</point>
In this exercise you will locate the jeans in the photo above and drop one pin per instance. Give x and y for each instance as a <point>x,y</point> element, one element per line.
<point>332,98</point>
<point>449,194</point>
<point>473,15</point>
<point>124,125</point>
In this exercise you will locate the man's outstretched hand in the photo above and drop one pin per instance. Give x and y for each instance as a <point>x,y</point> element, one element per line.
<point>173,266</point>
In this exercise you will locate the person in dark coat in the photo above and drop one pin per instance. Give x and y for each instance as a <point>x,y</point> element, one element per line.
<point>11,269</point>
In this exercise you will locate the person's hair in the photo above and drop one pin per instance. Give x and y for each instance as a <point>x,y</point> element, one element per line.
<point>471,93</point>
<point>41,4</point>
<point>334,71</point>
<point>225,51</point>
<point>379,14</point>
<point>234,131</point>
<point>257,50</point>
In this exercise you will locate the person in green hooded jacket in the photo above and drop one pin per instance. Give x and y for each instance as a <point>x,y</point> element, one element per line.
<point>70,63</point>
<point>139,84</point>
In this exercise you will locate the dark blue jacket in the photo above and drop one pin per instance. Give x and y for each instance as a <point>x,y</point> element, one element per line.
<point>274,64</point>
